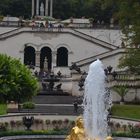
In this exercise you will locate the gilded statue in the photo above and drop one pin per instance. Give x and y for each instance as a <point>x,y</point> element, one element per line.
<point>78,131</point>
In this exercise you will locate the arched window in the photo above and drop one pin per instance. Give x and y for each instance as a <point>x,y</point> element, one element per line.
<point>29,55</point>
<point>46,53</point>
<point>62,56</point>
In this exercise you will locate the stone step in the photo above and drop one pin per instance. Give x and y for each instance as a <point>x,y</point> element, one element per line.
<point>50,99</point>
<point>50,110</point>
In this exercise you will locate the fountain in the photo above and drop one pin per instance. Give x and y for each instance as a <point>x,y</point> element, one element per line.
<point>96,104</point>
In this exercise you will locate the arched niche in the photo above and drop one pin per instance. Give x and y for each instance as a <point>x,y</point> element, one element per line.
<point>46,52</point>
<point>29,55</point>
<point>62,56</point>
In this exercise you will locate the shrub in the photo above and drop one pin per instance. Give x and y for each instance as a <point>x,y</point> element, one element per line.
<point>28,105</point>
<point>54,122</point>
<point>137,128</point>
<point>118,125</point>
<point>19,133</point>
<point>66,121</point>
<point>12,123</point>
<point>2,127</point>
<point>6,124</point>
<point>130,135</point>
<point>59,122</point>
<point>124,127</point>
<point>1,17</point>
<point>18,123</point>
<point>48,122</point>
<point>3,107</point>
<point>131,127</point>
<point>73,123</point>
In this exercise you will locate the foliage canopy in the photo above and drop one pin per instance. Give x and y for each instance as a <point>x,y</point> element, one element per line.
<point>16,80</point>
<point>121,90</point>
<point>131,60</point>
<point>62,9</point>
<point>128,13</point>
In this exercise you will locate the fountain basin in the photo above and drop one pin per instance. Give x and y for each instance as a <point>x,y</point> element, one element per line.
<point>49,137</point>
<point>34,137</point>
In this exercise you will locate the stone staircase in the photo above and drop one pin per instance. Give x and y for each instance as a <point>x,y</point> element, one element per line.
<point>51,110</point>
<point>53,99</point>
<point>89,60</point>
<point>52,105</point>
<point>95,40</point>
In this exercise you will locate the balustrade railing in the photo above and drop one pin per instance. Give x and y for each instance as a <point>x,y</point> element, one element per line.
<point>129,80</point>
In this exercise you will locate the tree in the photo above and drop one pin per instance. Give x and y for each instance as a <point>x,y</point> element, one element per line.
<point>62,9</point>
<point>128,13</point>
<point>131,60</point>
<point>17,82</point>
<point>16,8</point>
<point>121,90</point>
<point>130,22</point>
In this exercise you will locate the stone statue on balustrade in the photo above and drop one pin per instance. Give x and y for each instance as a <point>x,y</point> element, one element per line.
<point>41,9</point>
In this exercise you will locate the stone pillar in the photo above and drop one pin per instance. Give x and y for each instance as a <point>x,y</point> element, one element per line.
<point>51,8</point>
<point>37,7</point>
<point>37,58</point>
<point>33,7</point>
<point>46,8</point>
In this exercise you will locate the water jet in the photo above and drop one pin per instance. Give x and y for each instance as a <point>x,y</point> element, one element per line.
<point>96,103</point>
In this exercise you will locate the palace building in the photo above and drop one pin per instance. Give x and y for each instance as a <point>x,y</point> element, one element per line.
<point>56,50</point>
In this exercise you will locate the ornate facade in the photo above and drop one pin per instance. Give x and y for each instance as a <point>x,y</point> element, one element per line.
<point>60,49</point>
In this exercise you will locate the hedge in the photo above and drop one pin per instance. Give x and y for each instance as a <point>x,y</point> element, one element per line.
<point>21,133</point>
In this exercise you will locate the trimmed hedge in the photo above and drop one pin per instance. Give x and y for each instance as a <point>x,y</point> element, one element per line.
<point>127,135</point>
<point>28,105</point>
<point>60,132</point>
<point>21,133</point>
<point>3,109</point>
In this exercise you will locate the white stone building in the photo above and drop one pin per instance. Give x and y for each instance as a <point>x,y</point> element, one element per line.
<point>82,46</point>
<point>63,47</point>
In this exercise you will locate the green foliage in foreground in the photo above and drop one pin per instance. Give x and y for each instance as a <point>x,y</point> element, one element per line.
<point>121,90</point>
<point>127,135</point>
<point>16,80</point>
<point>60,132</point>
<point>126,111</point>
<point>3,109</point>
<point>47,132</point>
<point>28,105</point>
<point>131,60</point>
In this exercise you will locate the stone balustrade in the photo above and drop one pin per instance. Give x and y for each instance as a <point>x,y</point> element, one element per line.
<point>129,80</point>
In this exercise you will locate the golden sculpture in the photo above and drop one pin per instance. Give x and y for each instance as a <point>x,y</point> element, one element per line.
<point>109,138</point>
<point>78,131</point>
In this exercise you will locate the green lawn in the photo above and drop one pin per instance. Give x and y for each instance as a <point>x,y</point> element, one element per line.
<point>127,111</point>
<point>3,109</point>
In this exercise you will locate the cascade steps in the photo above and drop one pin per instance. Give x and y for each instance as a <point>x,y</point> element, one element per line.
<point>51,110</point>
<point>53,99</point>
<point>53,105</point>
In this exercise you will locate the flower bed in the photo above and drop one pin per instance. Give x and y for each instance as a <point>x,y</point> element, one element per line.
<point>38,125</point>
